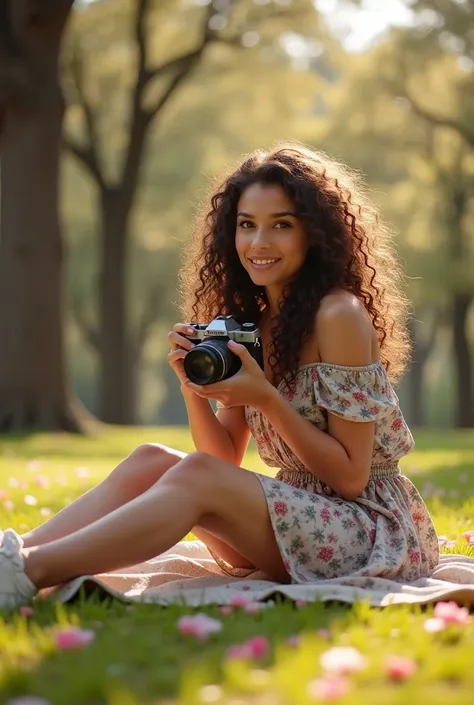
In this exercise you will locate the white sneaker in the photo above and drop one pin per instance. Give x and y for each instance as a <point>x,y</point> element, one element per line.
<point>15,586</point>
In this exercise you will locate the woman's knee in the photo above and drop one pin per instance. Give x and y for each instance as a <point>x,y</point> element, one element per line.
<point>197,471</point>
<point>145,465</point>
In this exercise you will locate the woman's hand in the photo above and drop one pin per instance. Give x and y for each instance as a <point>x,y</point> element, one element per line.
<point>248,387</point>
<point>180,346</point>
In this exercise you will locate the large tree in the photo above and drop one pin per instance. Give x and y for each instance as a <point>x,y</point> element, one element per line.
<point>421,171</point>
<point>165,44</point>
<point>33,387</point>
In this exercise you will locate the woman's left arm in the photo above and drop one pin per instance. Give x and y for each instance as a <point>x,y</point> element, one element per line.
<point>342,456</point>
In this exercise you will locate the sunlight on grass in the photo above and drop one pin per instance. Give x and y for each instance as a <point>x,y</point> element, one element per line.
<point>137,655</point>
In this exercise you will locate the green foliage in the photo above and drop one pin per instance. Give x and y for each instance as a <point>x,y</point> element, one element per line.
<point>138,657</point>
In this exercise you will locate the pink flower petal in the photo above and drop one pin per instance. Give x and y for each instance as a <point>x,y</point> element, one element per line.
<point>30,500</point>
<point>434,624</point>
<point>73,638</point>
<point>399,668</point>
<point>239,601</point>
<point>226,610</point>
<point>451,613</point>
<point>253,607</point>
<point>342,660</point>
<point>199,625</point>
<point>238,652</point>
<point>41,481</point>
<point>329,688</point>
<point>3,494</point>
<point>300,603</point>
<point>33,466</point>
<point>258,646</point>
<point>468,535</point>
<point>26,611</point>
<point>45,511</point>
<point>8,505</point>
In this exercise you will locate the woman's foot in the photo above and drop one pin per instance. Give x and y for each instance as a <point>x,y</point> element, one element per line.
<point>16,588</point>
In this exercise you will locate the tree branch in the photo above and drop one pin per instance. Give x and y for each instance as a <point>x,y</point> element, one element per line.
<point>438,120</point>
<point>88,154</point>
<point>183,65</point>
<point>140,34</point>
<point>89,332</point>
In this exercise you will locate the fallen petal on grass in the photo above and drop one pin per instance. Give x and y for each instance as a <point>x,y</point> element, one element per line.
<point>452,613</point>
<point>73,638</point>
<point>329,688</point>
<point>434,624</point>
<point>253,649</point>
<point>199,625</point>
<point>26,611</point>
<point>239,601</point>
<point>258,646</point>
<point>342,660</point>
<point>399,668</point>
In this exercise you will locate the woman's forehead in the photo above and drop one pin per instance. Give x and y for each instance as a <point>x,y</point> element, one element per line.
<point>259,198</point>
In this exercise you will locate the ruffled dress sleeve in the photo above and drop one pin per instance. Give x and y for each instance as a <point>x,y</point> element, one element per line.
<point>354,393</point>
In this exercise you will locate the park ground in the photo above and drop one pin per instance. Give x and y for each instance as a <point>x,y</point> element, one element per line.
<point>137,655</point>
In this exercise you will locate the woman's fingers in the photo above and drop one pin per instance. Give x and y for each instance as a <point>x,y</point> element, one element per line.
<point>179,341</point>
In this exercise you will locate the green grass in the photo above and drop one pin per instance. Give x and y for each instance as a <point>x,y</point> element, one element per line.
<point>138,656</point>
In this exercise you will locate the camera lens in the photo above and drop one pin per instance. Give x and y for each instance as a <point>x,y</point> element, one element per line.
<point>208,362</point>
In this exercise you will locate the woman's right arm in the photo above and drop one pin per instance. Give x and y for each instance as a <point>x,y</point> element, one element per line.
<point>224,435</point>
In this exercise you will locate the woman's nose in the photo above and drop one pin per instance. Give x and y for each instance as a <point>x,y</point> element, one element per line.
<point>261,238</point>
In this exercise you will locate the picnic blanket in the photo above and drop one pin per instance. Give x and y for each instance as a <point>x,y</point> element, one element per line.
<point>188,574</point>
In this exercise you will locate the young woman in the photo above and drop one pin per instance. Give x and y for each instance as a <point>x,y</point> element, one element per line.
<point>292,244</point>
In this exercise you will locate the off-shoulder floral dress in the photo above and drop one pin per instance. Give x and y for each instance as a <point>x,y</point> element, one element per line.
<point>387,531</point>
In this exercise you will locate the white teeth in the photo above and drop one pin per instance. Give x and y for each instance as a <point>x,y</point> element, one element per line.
<point>263,261</point>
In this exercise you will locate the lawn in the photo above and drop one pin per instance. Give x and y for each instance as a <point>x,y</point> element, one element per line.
<point>137,656</point>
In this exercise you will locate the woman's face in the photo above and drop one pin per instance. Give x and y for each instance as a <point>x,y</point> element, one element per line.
<point>270,240</point>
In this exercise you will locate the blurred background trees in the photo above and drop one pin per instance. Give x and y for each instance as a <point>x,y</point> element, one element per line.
<point>160,97</point>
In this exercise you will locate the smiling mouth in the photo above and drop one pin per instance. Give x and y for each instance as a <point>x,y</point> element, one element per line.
<point>263,263</point>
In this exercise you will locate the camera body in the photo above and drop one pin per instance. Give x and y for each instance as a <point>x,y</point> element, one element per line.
<point>211,360</point>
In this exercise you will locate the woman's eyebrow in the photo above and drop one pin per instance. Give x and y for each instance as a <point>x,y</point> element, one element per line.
<point>273,215</point>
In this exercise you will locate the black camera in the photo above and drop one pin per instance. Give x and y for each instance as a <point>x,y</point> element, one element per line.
<point>211,360</point>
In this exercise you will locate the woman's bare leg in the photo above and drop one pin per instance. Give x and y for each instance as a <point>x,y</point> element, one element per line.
<point>200,491</point>
<point>133,476</point>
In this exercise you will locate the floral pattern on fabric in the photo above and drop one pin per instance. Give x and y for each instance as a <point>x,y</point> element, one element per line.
<point>387,531</point>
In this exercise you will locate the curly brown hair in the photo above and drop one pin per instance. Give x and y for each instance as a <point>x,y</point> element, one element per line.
<point>349,249</point>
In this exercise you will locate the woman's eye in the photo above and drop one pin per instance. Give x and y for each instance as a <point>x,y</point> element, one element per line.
<point>245,224</point>
<point>283,224</point>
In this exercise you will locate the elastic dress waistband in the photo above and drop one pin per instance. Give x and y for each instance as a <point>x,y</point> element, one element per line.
<point>306,480</point>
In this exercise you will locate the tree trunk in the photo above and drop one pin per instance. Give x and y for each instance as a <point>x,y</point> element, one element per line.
<point>462,355</point>
<point>33,389</point>
<point>422,347</point>
<point>116,366</point>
